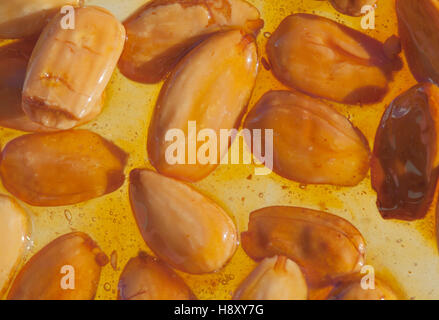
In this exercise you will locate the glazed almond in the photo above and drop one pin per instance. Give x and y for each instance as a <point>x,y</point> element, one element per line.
<point>146,278</point>
<point>313,143</point>
<point>69,69</point>
<point>325,246</point>
<point>210,88</point>
<point>326,59</point>
<point>352,290</point>
<point>14,232</point>
<point>351,7</point>
<point>405,161</point>
<point>163,31</point>
<point>14,58</point>
<point>55,169</point>
<point>418,22</point>
<point>24,18</point>
<point>276,278</point>
<point>42,276</point>
<point>183,227</point>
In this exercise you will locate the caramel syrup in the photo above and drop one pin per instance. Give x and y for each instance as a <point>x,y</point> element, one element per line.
<point>402,253</point>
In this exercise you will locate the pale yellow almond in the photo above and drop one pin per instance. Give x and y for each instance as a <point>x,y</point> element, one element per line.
<point>325,246</point>
<point>146,278</point>
<point>324,58</point>
<point>70,69</point>
<point>14,58</point>
<point>210,87</point>
<point>160,33</point>
<point>61,168</point>
<point>276,278</point>
<point>183,227</point>
<point>312,143</point>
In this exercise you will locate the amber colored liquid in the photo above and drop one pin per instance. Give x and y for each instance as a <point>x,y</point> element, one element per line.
<point>403,253</point>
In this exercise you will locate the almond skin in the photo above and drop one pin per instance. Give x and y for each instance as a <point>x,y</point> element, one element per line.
<point>184,228</point>
<point>351,7</point>
<point>276,278</point>
<point>40,278</point>
<point>14,234</point>
<point>326,59</point>
<point>60,94</point>
<point>418,22</point>
<point>146,278</point>
<point>160,33</point>
<point>56,169</point>
<point>24,18</point>
<point>325,246</point>
<point>215,100</point>
<point>14,58</point>
<point>405,161</point>
<point>312,143</point>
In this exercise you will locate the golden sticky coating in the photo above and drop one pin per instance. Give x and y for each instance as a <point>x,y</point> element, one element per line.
<point>325,246</point>
<point>276,278</point>
<point>183,228</point>
<point>69,69</point>
<point>55,169</point>
<point>312,143</point>
<point>146,278</point>
<point>163,31</point>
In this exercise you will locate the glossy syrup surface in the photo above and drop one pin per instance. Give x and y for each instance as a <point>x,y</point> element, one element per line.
<point>404,253</point>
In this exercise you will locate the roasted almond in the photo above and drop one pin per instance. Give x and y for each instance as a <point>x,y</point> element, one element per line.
<point>326,59</point>
<point>405,158</point>
<point>24,18</point>
<point>69,69</point>
<point>146,278</point>
<point>312,143</point>
<point>418,22</point>
<point>160,33</point>
<point>183,227</point>
<point>68,268</point>
<point>276,278</point>
<point>352,290</point>
<point>55,169</point>
<point>352,7</point>
<point>14,234</point>
<point>14,58</point>
<point>325,246</point>
<point>215,100</point>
